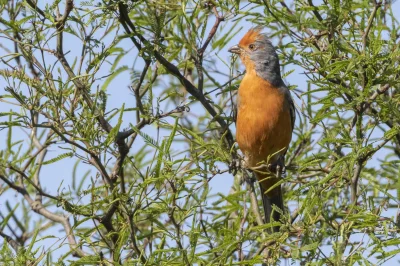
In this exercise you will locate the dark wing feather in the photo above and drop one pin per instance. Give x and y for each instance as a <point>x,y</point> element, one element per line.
<point>292,108</point>
<point>292,111</point>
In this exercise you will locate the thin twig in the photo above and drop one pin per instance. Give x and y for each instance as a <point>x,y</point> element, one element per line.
<point>218,20</point>
<point>36,8</point>
<point>315,11</point>
<point>40,209</point>
<point>195,92</point>
<point>14,244</point>
<point>370,20</point>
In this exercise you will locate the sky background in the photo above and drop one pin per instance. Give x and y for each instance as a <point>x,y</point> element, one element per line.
<point>120,93</point>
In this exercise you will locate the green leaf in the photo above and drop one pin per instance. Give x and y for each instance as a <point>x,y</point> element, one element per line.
<point>149,140</point>
<point>113,76</point>
<point>59,157</point>
<point>87,260</point>
<point>172,135</point>
<point>114,132</point>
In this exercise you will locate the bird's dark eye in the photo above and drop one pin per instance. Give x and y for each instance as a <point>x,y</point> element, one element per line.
<point>252,46</point>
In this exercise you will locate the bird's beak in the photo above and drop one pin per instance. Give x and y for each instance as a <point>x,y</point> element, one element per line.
<point>235,49</point>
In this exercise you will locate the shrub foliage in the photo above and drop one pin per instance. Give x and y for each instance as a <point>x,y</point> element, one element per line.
<point>134,101</point>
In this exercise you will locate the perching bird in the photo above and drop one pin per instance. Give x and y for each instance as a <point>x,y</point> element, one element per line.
<point>266,115</point>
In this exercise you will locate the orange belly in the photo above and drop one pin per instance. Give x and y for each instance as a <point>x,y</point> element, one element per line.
<point>263,124</point>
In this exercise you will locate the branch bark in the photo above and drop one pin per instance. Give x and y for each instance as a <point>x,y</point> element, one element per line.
<point>37,207</point>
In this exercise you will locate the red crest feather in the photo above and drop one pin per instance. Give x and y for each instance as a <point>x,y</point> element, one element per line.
<point>251,36</point>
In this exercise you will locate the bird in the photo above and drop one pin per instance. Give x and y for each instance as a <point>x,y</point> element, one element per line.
<point>265,116</point>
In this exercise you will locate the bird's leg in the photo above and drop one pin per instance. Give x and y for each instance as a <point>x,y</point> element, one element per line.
<point>281,163</point>
<point>241,164</point>
<point>235,165</point>
<point>278,170</point>
<point>278,167</point>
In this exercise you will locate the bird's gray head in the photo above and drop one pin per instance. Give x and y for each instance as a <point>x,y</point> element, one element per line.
<point>258,53</point>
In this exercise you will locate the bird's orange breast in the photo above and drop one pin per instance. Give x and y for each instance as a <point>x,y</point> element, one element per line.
<point>263,122</point>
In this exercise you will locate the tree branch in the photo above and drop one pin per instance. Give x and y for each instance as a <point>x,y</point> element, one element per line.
<point>218,20</point>
<point>40,209</point>
<point>36,8</point>
<point>315,11</point>
<point>195,92</point>
<point>14,244</point>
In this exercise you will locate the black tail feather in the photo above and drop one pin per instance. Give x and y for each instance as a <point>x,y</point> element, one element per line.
<point>268,202</point>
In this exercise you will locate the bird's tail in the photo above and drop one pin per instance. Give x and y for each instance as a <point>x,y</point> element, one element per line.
<point>270,199</point>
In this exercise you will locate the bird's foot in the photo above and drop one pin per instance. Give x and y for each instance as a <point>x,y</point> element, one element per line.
<point>234,166</point>
<point>278,168</point>
<point>248,177</point>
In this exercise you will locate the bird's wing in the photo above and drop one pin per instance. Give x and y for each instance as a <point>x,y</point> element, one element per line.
<point>292,111</point>
<point>292,108</point>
